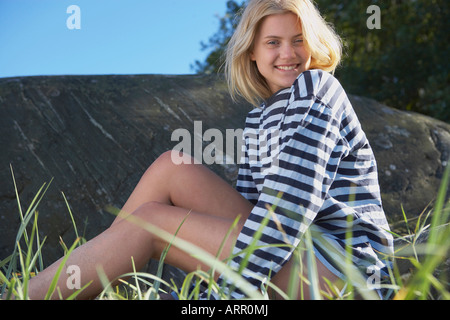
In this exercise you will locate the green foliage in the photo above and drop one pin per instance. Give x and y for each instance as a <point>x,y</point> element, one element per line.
<point>404,64</point>
<point>217,43</point>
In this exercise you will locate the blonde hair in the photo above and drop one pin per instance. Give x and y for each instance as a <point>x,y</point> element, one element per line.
<point>320,39</point>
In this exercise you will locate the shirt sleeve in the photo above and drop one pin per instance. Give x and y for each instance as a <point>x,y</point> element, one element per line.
<point>303,166</point>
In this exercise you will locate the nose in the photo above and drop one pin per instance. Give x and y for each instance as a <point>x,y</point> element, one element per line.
<point>287,52</point>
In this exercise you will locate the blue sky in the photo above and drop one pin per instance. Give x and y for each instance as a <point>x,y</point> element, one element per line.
<point>116,36</point>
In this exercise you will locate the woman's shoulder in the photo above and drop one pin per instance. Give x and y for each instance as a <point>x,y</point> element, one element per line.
<point>320,88</point>
<point>316,83</point>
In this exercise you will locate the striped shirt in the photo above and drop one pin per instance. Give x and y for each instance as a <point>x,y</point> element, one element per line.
<point>306,157</point>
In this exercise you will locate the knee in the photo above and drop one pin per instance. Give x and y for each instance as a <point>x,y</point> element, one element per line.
<point>141,213</point>
<point>159,169</point>
<point>148,210</point>
<point>163,161</point>
<point>165,157</point>
<point>169,161</point>
<point>175,158</point>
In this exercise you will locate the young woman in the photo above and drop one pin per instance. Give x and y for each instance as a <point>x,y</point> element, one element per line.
<point>305,156</point>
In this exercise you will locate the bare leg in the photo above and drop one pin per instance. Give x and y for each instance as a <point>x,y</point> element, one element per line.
<point>163,197</point>
<point>189,186</point>
<point>283,277</point>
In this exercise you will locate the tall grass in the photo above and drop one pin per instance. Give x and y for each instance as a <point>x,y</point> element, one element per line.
<point>423,282</point>
<point>427,257</point>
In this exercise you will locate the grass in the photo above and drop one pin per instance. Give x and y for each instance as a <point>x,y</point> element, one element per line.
<point>420,283</point>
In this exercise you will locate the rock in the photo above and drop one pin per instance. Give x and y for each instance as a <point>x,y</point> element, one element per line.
<point>96,135</point>
<point>412,151</point>
<point>411,248</point>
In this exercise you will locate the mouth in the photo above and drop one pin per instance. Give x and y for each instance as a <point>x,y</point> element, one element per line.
<point>288,67</point>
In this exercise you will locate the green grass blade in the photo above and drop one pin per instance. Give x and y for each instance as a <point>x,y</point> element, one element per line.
<point>55,280</point>
<point>313,275</point>
<point>163,257</point>
<point>74,295</point>
<point>19,205</point>
<point>71,217</point>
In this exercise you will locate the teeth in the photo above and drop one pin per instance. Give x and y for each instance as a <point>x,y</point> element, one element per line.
<point>286,68</point>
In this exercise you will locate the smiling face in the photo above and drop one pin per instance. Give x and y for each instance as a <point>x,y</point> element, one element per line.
<point>279,51</point>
